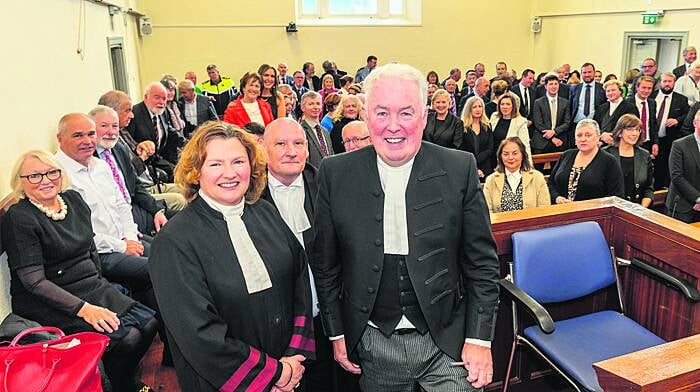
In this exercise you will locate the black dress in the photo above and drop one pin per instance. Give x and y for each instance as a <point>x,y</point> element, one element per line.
<point>481,146</point>
<point>223,338</point>
<point>447,133</point>
<point>601,178</point>
<point>337,134</point>
<point>60,259</point>
<point>272,100</point>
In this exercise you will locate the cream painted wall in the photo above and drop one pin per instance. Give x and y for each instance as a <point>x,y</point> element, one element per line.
<point>576,32</point>
<point>189,35</point>
<point>46,78</point>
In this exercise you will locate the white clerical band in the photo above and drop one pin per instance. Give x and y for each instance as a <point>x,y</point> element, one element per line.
<point>254,271</point>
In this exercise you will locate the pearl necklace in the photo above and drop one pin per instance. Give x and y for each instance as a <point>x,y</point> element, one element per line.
<point>57,216</point>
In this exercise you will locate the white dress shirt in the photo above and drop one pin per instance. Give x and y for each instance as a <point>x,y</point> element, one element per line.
<point>290,203</point>
<point>191,112</point>
<point>613,106</point>
<point>659,100</point>
<point>111,216</point>
<point>687,86</point>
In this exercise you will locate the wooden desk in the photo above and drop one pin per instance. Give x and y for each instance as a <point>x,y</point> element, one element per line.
<point>674,366</point>
<point>696,224</point>
<point>634,231</point>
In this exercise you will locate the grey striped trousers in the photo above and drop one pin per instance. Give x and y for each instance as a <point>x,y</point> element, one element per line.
<point>401,362</point>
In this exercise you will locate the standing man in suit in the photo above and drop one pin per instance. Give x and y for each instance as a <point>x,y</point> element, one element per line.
<point>526,93</point>
<point>689,56</point>
<point>683,201</point>
<point>299,89</point>
<point>311,81</point>
<point>468,83</point>
<point>586,96</point>
<point>407,277</point>
<point>318,138</point>
<point>689,84</point>
<point>148,213</point>
<point>671,110</point>
<point>196,109</point>
<point>149,123</point>
<point>551,117</point>
<point>292,188</point>
<point>649,69</point>
<point>647,113</point>
<point>481,89</point>
<point>282,77</point>
<point>608,113</point>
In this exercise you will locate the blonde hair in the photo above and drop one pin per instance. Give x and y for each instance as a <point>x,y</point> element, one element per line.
<point>188,169</point>
<point>467,113</point>
<point>326,77</point>
<point>46,158</point>
<point>338,113</point>
<point>438,92</point>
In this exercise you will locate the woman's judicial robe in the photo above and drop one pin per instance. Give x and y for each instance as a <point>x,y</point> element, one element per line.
<point>221,337</point>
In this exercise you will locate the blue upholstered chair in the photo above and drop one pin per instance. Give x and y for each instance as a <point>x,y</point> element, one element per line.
<point>558,264</point>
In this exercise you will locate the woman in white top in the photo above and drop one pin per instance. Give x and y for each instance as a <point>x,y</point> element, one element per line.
<point>507,122</point>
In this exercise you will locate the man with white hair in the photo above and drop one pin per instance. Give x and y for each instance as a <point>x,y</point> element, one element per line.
<point>150,123</point>
<point>407,279</point>
<point>689,84</point>
<point>690,54</point>
<point>196,109</point>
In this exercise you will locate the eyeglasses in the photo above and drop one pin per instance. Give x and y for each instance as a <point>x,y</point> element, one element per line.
<point>633,129</point>
<point>36,178</point>
<point>355,140</point>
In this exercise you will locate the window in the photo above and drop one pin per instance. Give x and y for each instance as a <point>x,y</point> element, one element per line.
<point>358,12</point>
<point>117,63</point>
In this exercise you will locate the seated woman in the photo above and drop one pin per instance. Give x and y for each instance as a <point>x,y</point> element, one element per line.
<point>290,100</point>
<point>432,78</point>
<point>477,138</point>
<point>442,127</point>
<point>330,103</point>
<point>55,270</point>
<point>585,172</point>
<point>499,88</point>
<point>515,185</point>
<point>249,106</point>
<point>327,88</point>
<point>636,163</point>
<point>235,292</point>
<point>268,92</point>
<point>174,117</point>
<point>349,109</point>
<point>507,122</point>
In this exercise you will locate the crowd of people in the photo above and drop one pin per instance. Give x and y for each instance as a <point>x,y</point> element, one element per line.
<point>207,202</point>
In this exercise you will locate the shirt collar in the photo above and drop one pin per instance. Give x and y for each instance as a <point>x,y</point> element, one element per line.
<point>277,184</point>
<point>71,164</point>
<point>618,100</point>
<point>311,122</point>
<point>549,97</point>
<point>394,169</point>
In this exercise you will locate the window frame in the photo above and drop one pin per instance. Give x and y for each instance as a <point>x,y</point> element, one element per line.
<point>412,15</point>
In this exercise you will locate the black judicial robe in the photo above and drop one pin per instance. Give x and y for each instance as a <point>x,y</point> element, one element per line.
<point>221,337</point>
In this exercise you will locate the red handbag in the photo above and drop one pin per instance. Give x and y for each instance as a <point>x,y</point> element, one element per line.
<point>67,364</point>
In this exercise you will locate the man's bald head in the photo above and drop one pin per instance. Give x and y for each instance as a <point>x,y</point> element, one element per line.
<point>77,137</point>
<point>355,135</point>
<point>287,149</point>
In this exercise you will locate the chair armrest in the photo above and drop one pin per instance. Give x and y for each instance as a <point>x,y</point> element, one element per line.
<point>688,291</point>
<point>537,311</point>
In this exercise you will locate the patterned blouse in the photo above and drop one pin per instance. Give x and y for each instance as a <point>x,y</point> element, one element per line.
<point>573,181</point>
<point>512,201</point>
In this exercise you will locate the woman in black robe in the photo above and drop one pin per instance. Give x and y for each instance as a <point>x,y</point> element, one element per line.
<point>230,277</point>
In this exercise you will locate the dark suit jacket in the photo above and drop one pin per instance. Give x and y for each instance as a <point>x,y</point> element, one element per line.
<point>602,177</point>
<point>625,107</point>
<point>451,259</point>
<point>541,91</point>
<point>679,71</point>
<point>141,128</point>
<point>139,194</point>
<point>575,95</point>
<point>525,113</point>
<point>463,101</point>
<point>688,128</point>
<point>315,81</point>
<point>684,165</point>
<point>205,112</point>
<point>310,191</point>
<point>643,173</point>
<point>542,120</point>
<point>447,133</point>
<point>651,112</point>
<point>315,154</point>
<point>677,109</point>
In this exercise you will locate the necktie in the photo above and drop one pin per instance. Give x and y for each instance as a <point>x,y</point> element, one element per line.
<point>587,101</point>
<point>107,155</point>
<point>156,128</point>
<point>526,95</point>
<point>644,120</point>
<point>321,141</point>
<point>660,117</point>
<point>553,109</point>
<point>453,105</point>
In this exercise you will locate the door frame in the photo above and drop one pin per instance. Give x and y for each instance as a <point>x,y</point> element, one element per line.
<point>631,35</point>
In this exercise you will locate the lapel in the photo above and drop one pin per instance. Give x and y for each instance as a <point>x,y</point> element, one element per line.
<point>419,187</point>
<point>311,135</point>
<point>310,190</point>
<point>560,110</point>
<point>693,147</point>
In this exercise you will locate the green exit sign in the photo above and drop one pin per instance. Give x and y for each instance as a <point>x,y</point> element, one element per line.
<point>649,19</point>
